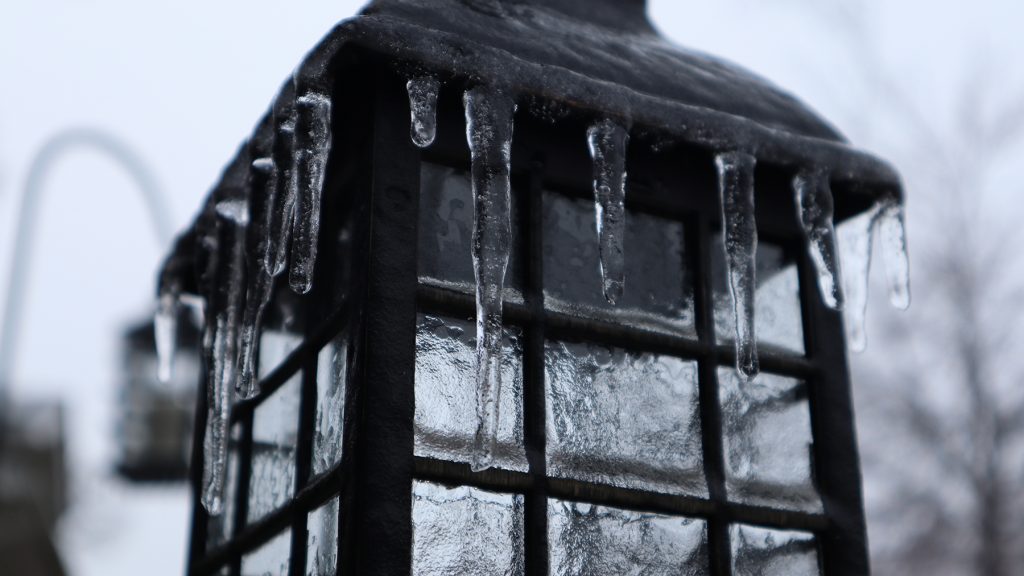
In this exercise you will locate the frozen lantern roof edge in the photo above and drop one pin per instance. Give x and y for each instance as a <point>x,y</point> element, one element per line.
<point>566,52</point>
<point>609,67</point>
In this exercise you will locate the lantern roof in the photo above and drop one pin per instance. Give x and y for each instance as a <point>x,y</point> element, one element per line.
<point>572,50</point>
<point>603,58</point>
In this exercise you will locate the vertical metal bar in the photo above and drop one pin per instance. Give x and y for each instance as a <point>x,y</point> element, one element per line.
<point>836,457</point>
<point>534,409</point>
<point>244,476</point>
<point>304,441</point>
<point>384,454</point>
<point>200,521</point>
<point>700,246</point>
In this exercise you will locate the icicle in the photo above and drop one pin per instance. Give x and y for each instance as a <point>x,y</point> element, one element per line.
<point>736,185</point>
<point>260,285</point>
<point>608,141</point>
<point>856,242</point>
<point>215,442</point>
<point>894,252</point>
<point>165,332</point>
<point>815,209</point>
<point>282,210</point>
<point>423,108</point>
<point>312,147</point>
<point>489,123</point>
<point>233,217</point>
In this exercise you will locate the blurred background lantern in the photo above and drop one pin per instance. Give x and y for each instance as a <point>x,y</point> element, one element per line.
<point>155,423</point>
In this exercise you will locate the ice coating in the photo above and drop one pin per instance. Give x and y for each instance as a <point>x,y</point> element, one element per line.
<point>892,223</point>
<point>260,281</point>
<point>607,141</point>
<point>232,219</point>
<point>489,114</point>
<point>312,148</point>
<point>423,109</point>
<point>165,332</point>
<point>856,238</point>
<point>815,209</point>
<point>736,186</point>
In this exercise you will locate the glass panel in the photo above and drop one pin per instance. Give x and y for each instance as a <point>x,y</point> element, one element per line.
<point>331,383</point>
<point>275,346</point>
<point>777,301</point>
<point>586,539</point>
<point>275,427</point>
<point>623,418</point>
<point>767,429</point>
<point>466,531</point>
<point>271,559</point>
<point>764,552</point>
<point>221,527</point>
<point>659,286</point>
<point>322,540</point>
<point>446,233</point>
<point>446,393</point>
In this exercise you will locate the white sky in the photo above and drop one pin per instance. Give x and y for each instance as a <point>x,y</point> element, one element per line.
<point>184,82</point>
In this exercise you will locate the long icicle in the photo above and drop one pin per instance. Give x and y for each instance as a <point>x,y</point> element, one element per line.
<point>736,185</point>
<point>815,209</point>
<point>312,148</point>
<point>264,176</point>
<point>856,243</point>
<point>489,125</point>
<point>233,217</point>
<point>892,221</point>
<point>423,109</point>
<point>607,141</point>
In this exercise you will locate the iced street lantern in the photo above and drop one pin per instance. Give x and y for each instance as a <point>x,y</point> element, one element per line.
<point>470,344</point>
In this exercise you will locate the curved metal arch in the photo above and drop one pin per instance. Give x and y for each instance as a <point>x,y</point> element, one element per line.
<point>53,150</point>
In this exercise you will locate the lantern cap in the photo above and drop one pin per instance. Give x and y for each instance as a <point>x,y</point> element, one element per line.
<point>577,43</point>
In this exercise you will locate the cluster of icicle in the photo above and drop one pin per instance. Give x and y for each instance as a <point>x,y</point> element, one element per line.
<point>813,199</point>
<point>280,209</point>
<point>268,224</point>
<point>489,123</point>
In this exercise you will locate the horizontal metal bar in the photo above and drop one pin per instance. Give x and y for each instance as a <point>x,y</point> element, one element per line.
<point>565,326</point>
<point>505,481</point>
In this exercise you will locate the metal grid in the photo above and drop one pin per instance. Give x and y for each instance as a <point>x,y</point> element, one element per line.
<point>376,474</point>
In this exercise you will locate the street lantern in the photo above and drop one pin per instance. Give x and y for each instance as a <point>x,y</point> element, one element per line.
<point>155,415</point>
<point>580,315</point>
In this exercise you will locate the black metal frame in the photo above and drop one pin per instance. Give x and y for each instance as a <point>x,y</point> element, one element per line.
<point>374,479</point>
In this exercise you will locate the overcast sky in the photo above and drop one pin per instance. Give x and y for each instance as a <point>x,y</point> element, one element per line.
<point>183,83</point>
